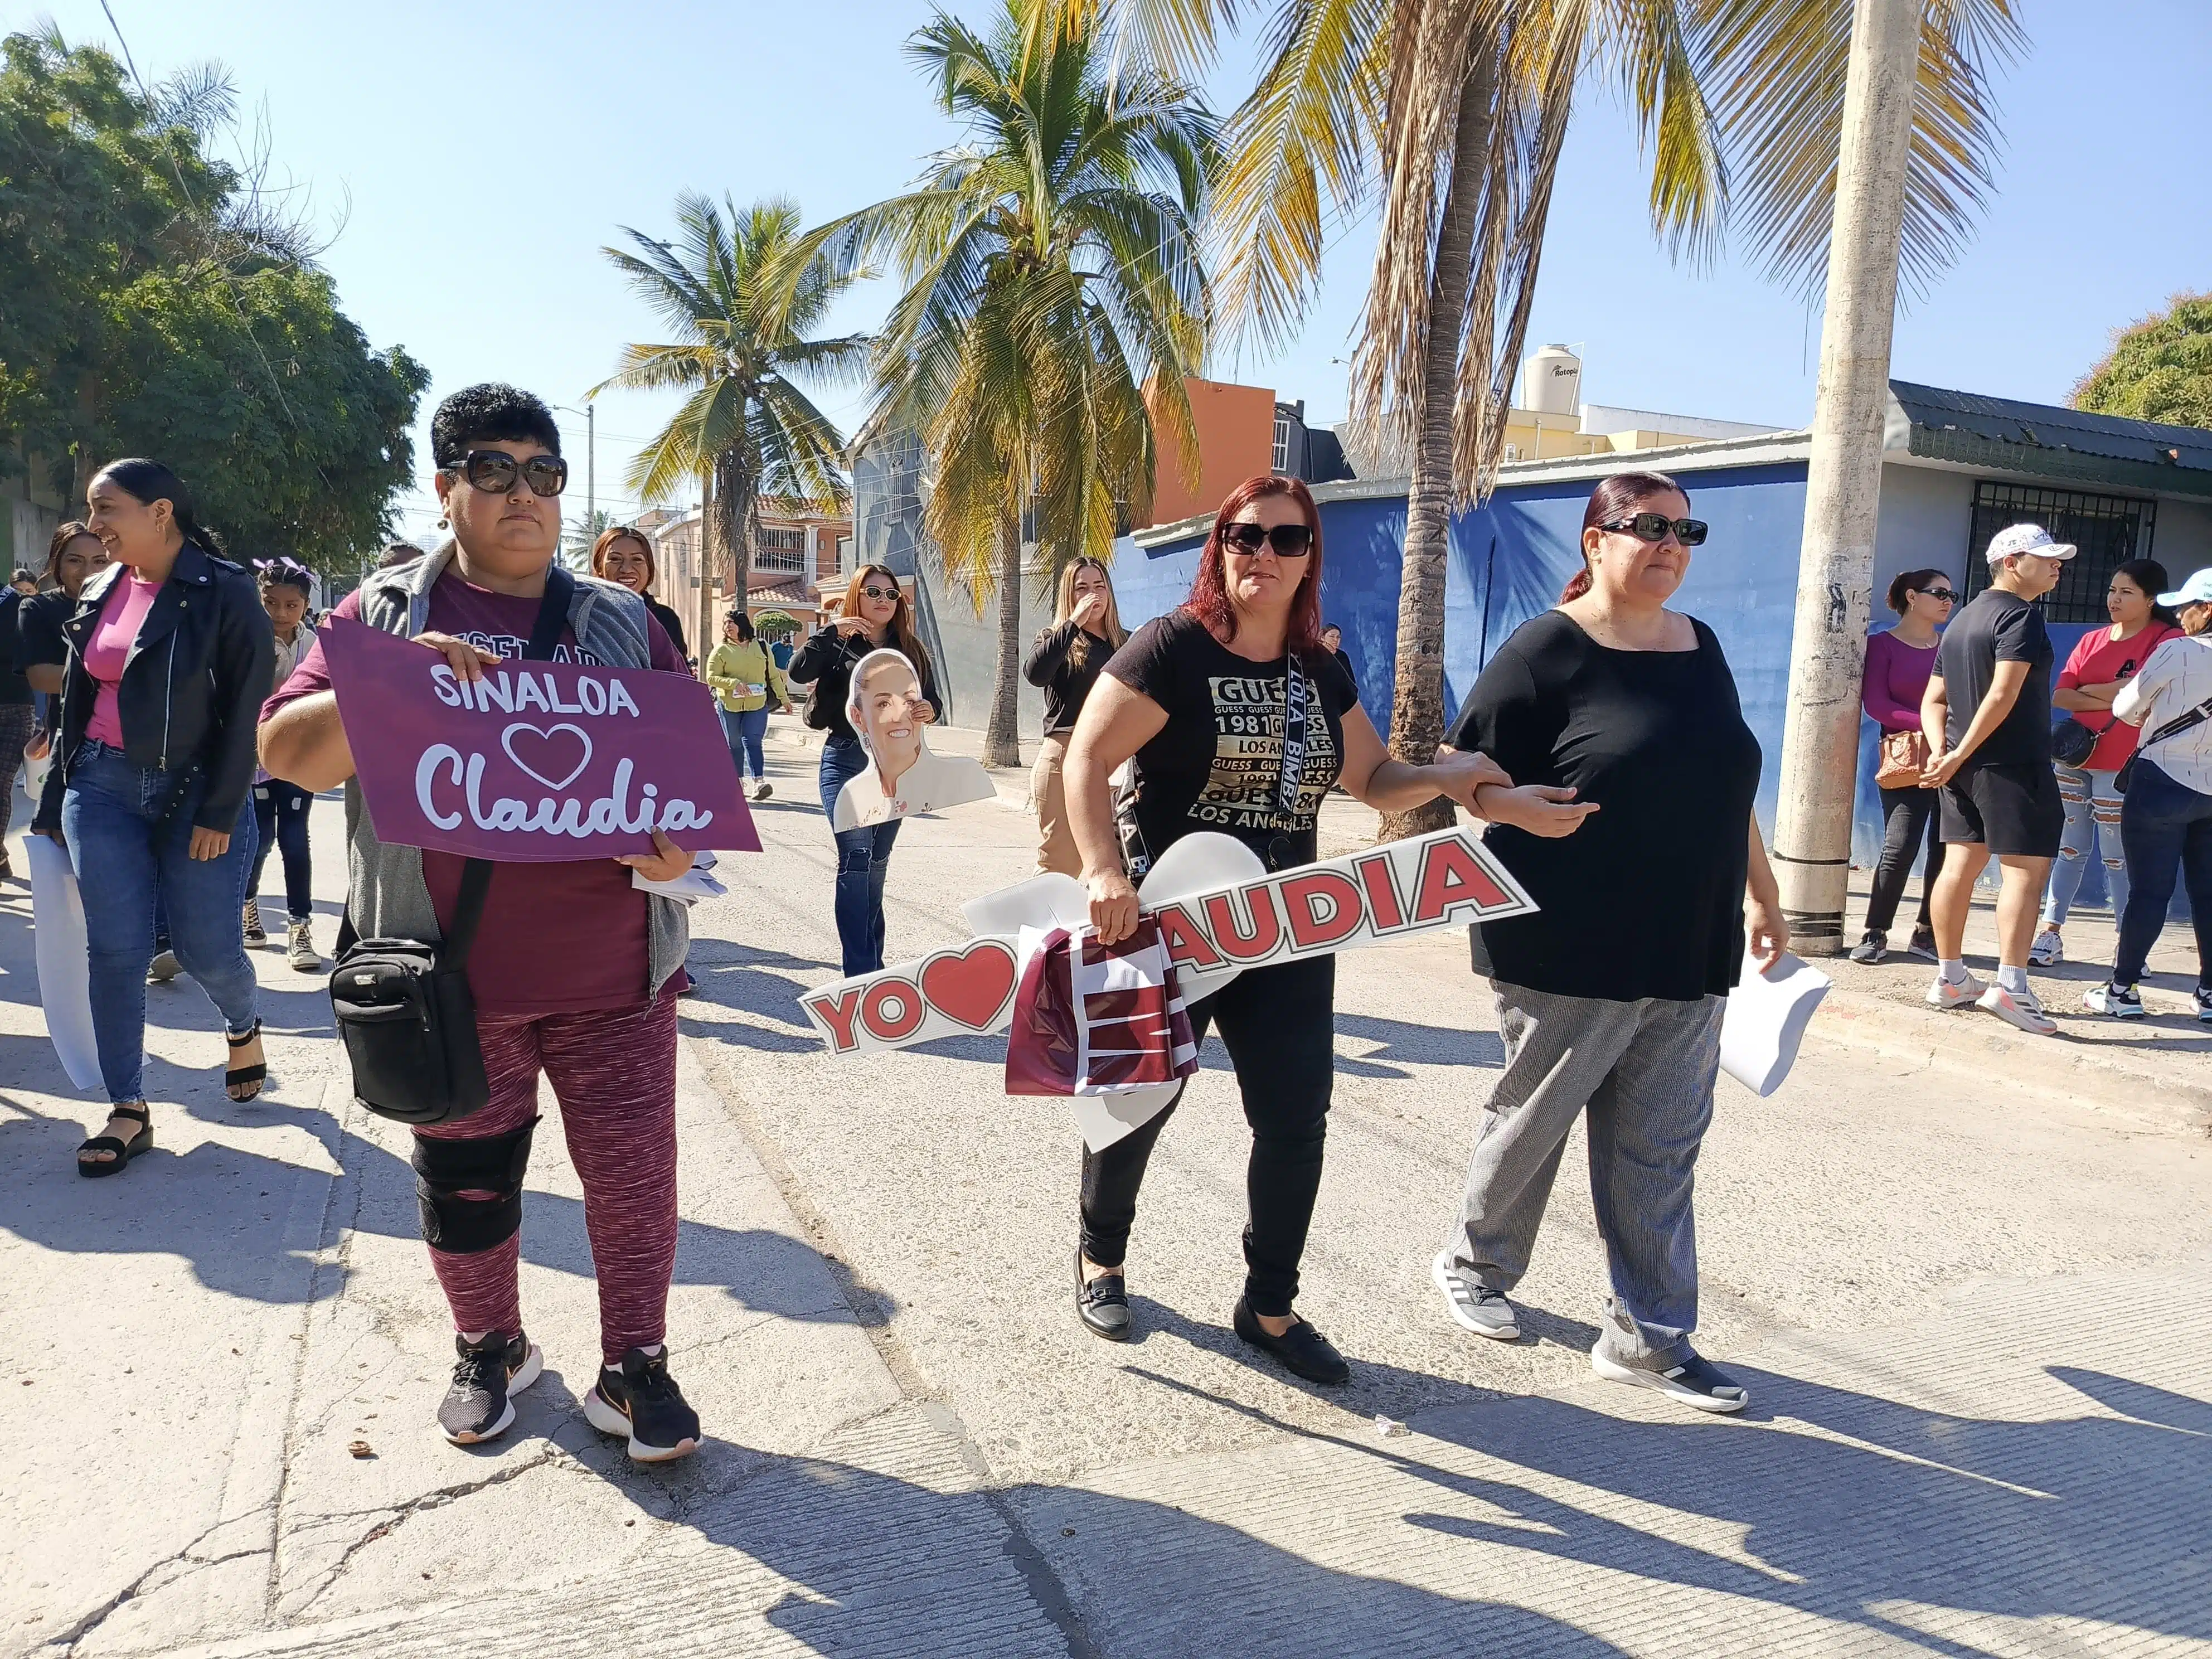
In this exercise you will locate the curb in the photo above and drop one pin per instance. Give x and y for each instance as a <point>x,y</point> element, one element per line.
<point>1983,1049</point>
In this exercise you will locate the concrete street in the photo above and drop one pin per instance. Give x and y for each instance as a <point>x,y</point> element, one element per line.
<point>1964,1277</point>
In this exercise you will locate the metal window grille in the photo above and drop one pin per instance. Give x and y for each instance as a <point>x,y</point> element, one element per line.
<point>1281,461</point>
<point>780,549</point>
<point>2109,530</point>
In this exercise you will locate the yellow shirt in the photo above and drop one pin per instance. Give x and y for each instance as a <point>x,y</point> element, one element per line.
<point>741,676</point>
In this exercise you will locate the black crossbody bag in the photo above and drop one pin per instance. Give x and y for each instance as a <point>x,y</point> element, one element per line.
<point>403,1008</point>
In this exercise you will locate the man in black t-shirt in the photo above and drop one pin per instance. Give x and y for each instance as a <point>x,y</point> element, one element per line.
<point>1987,719</point>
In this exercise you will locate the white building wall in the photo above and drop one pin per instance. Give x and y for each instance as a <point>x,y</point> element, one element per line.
<point>1925,516</point>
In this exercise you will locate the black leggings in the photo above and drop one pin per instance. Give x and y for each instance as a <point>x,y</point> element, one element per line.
<point>1909,817</point>
<point>280,812</point>
<point>1278,1025</point>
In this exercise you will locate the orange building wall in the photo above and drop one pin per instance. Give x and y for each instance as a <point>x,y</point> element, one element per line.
<point>1235,439</point>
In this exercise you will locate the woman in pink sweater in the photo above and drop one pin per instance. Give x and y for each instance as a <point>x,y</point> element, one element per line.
<point>1898,665</point>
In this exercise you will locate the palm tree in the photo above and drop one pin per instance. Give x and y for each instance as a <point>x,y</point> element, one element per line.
<point>1450,114</point>
<point>742,297</point>
<point>1054,303</point>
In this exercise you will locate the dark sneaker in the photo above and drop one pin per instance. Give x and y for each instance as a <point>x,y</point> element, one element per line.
<point>479,1404</point>
<point>1472,1304</point>
<point>1301,1350</point>
<point>642,1403</point>
<point>1696,1381</point>
<point>1873,946</point>
<point>251,922</point>
<point>2122,1002</point>
<point>1922,944</point>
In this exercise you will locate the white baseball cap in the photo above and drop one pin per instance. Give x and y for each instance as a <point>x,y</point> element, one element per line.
<point>2028,538</point>
<point>2198,590</point>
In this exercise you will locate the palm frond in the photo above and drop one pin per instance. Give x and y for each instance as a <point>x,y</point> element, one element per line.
<point>1778,80</point>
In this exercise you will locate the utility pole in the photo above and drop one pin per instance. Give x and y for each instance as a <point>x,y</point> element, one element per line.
<point>1842,485</point>
<point>590,463</point>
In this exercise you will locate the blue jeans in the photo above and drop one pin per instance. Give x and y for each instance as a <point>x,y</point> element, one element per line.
<point>2166,827</point>
<point>108,816</point>
<point>745,733</point>
<point>280,820</point>
<point>2093,819</point>
<point>864,860</point>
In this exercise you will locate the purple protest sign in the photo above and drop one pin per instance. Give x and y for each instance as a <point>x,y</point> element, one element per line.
<point>537,761</point>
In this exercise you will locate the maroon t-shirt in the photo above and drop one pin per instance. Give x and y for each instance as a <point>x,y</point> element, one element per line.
<point>556,938</point>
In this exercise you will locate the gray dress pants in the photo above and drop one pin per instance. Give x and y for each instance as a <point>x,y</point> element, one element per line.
<point>1645,1072</point>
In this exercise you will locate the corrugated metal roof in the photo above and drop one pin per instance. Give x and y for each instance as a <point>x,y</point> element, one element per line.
<point>2045,426</point>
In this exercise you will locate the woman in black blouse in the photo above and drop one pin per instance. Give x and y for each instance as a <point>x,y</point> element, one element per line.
<point>1065,662</point>
<point>1631,826</point>
<point>875,616</point>
<point>624,556</point>
<point>1226,735</point>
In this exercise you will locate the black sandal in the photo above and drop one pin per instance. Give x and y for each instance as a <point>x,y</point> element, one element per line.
<point>125,1151</point>
<point>245,1074</point>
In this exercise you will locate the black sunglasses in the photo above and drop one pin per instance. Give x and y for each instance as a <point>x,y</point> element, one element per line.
<point>1290,541</point>
<point>1942,593</point>
<point>1653,527</point>
<point>494,471</point>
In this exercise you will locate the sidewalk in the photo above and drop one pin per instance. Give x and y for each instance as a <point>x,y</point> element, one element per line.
<point>223,1366</point>
<point>225,1362</point>
<point>2156,1070</point>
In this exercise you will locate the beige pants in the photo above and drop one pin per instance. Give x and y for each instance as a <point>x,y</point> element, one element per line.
<point>1049,798</point>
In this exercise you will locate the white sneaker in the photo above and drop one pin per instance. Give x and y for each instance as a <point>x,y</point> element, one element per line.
<point>1474,1305</point>
<point>2047,948</point>
<point>2018,1008</point>
<point>1955,993</point>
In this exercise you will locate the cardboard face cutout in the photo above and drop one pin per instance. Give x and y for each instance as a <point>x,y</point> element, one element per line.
<point>902,776</point>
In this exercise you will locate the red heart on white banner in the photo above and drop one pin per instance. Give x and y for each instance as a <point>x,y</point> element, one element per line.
<point>970,986</point>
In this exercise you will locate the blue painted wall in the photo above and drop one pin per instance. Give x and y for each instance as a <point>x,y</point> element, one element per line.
<point>1508,561</point>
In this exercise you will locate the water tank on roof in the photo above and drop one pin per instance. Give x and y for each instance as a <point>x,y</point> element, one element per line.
<point>1552,382</point>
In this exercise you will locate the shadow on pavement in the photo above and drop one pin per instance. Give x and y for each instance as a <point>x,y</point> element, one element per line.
<point>200,1205</point>
<point>2088,1518</point>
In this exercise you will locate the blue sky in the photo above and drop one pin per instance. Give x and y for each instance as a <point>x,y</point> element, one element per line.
<point>487,154</point>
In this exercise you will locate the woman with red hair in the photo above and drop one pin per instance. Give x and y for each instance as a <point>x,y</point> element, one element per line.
<point>1236,720</point>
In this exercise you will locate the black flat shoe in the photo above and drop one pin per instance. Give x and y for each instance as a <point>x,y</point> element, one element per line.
<point>120,1151</point>
<point>1102,1303</point>
<point>1301,1350</point>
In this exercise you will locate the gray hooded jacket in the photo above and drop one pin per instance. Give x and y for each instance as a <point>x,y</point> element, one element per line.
<point>388,898</point>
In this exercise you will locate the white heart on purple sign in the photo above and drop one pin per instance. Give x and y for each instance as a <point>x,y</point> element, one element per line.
<point>548,750</point>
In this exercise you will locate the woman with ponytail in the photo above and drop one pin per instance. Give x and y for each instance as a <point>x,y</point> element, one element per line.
<point>1064,663</point>
<point>1631,824</point>
<point>169,657</point>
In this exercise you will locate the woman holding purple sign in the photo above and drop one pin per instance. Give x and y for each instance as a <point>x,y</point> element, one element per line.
<point>574,969</point>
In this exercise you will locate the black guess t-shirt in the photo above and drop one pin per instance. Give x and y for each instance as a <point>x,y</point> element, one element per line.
<point>1646,898</point>
<point>1217,764</point>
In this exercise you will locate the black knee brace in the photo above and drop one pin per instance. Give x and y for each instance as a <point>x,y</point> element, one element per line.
<point>447,1169</point>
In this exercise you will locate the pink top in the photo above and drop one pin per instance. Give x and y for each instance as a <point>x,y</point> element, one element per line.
<point>109,648</point>
<point>1896,675</point>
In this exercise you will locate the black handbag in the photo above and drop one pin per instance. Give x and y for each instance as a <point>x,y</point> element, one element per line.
<point>404,1012</point>
<point>2073,742</point>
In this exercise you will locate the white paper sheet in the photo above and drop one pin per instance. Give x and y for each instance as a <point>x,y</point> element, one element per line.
<point>64,968</point>
<point>1765,1021</point>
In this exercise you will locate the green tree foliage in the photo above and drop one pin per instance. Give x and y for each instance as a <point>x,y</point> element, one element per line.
<point>156,306</point>
<point>2158,369</point>
<point>1054,303</point>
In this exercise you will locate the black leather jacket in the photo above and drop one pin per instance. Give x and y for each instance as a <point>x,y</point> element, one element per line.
<point>193,686</point>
